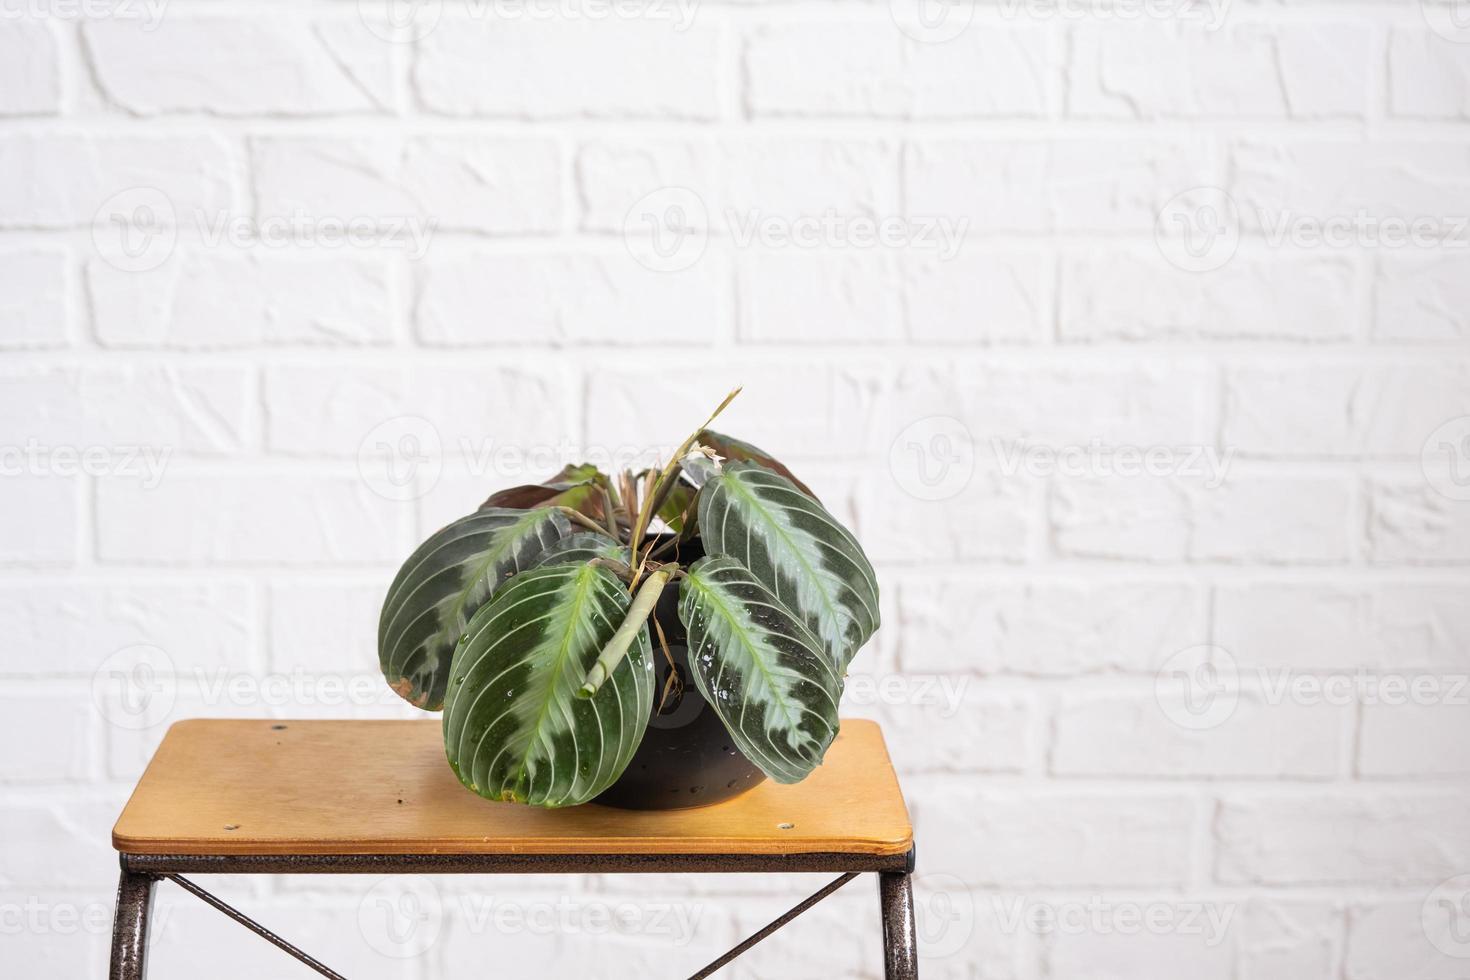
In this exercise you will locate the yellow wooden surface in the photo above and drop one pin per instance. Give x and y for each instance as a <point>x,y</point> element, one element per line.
<point>384,787</point>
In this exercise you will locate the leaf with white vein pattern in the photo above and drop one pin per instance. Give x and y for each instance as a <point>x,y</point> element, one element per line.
<point>795,548</point>
<point>767,676</point>
<point>443,583</point>
<point>514,728</point>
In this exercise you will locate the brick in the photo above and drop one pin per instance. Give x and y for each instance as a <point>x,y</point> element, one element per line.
<point>440,183</point>
<point>1055,840</point>
<point>1071,185</point>
<point>1152,69</point>
<point>71,628</point>
<point>1417,729</point>
<point>166,410</point>
<point>1278,520</point>
<point>831,295</point>
<point>1341,180</point>
<point>499,300</point>
<point>791,410</point>
<point>1283,939</point>
<point>34,291</point>
<point>977,297</point>
<point>1351,410</point>
<point>1412,523</point>
<point>1047,628</point>
<point>1386,940</point>
<point>1130,735</point>
<point>1428,76</point>
<point>64,180</point>
<point>945,723</point>
<point>240,66</point>
<point>235,298</point>
<point>315,411</point>
<point>196,519</point>
<point>319,626</point>
<point>69,749</point>
<point>1421,298</point>
<point>76,829</point>
<point>1357,836</point>
<point>869,69</point>
<point>738,181</point>
<point>999,513</point>
<point>1116,294</point>
<point>1110,953</point>
<point>556,68</point>
<point>54,932</point>
<point>40,518</point>
<point>30,68</point>
<point>1137,518</point>
<point>1319,626</point>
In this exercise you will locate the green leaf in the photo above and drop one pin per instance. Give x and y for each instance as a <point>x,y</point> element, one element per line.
<point>739,451</point>
<point>797,550</point>
<point>583,547</point>
<point>442,584</point>
<point>514,728</point>
<point>768,678</point>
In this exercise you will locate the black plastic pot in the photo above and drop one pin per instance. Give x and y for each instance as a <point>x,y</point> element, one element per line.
<point>686,757</point>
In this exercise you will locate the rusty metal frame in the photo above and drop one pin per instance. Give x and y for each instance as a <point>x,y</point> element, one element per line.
<point>140,872</point>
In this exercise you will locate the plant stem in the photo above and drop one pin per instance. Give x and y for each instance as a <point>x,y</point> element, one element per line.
<point>645,511</point>
<point>577,517</point>
<point>617,647</point>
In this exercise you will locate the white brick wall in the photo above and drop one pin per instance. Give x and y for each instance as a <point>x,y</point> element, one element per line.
<point>256,259</point>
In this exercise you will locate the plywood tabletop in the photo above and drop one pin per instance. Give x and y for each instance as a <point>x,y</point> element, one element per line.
<point>239,787</point>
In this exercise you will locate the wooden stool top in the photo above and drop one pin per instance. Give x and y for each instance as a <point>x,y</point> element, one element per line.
<point>236,787</point>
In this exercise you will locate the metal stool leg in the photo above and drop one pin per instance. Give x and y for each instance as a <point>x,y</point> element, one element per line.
<point>900,946</point>
<point>130,926</point>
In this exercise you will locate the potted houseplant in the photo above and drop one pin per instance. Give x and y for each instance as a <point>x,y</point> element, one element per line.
<point>666,638</point>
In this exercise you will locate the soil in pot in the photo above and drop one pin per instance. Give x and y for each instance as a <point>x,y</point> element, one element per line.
<point>686,757</point>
